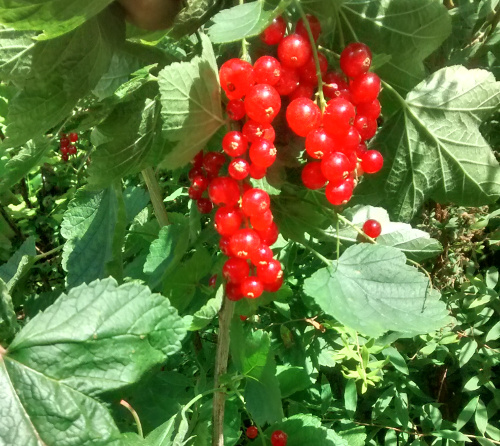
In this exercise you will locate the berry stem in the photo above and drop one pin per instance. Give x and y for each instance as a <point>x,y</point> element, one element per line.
<point>221,357</point>
<point>322,101</point>
<point>244,44</point>
<point>135,416</point>
<point>156,196</point>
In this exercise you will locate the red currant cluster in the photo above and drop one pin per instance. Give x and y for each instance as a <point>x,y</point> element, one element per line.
<point>278,438</point>
<point>67,145</point>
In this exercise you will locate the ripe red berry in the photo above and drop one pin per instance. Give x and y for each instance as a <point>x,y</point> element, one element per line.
<point>303,115</point>
<point>313,24</point>
<point>236,77</point>
<point>270,272</point>
<point>233,291</point>
<point>279,438</point>
<point>234,143</point>
<point>194,172</point>
<point>197,160</point>
<point>289,81</point>
<point>224,246</point>
<point>243,243</point>
<point>269,235</point>
<point>64,142</point>
<point>212,162</point>
<point>257,172</point>
<point>72,150</point>
<point>273,34</point>
<point>294,51</point>
<point>239,169</point>
<point>273,287</point>
<point>227,220</point>
<point>318,143</point>
<point>302,91</point>
<point>338,116</point>
<point>339,194</point>
<point>194,194</point>
<point>73,137</point>
<point>262,255</point>
<point>365,126</point>
<point>267,70</point>
<point>372,228</point>
<point>262,153</point>
<point>349,140</point>
<point>254,130</point>
<point>312,177</point>
<point>243,317</point>
<point>235,109</point>
<point>252,431</point>
<point>262,103</point>
<point>308,73</point>
<point>224,190</point>
<point>65,157</point>
<point>212,281</point>
<point>335,167</point>
<point>361,149</point>
<point>252,287</point>
<point>364,88</point>
<point>204,205</point>
<point>235,270</point>
<point>334,84</point>
<point>372,161</point>
<point>255,201</point>
<point>200,182</point>
<point>355,59</point>
<point>64,150</point>
<point>369,109</point>
<point>262,221</point>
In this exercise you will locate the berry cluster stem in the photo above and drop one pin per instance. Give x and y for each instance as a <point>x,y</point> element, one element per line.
<point>156,196</point>
<point>221,357</point>
<point>322,101</point>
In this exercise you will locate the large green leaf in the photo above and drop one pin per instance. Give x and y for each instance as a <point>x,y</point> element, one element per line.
<point>372,290</point>
<point>433,147</point>
<point>97,338</point>
<point>17,265</point>
<point>191,105</point>
<point>89,227</point>
<point>54,17</point>
<point>194,14</point>
<point>16,51</point>
<point>62,71</point>
<point>8,318</point>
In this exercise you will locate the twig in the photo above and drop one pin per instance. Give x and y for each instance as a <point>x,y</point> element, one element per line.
<point>221,357</point>
<point>156,196</point>
<point>12,225</point>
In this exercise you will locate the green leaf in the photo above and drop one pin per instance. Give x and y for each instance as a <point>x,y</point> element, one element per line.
<point>207,313</point>
<point>469,347</point>
<point>89,226</point>
<point>416,244</point>
<point>433,147</point>
<point>99,337</point>
<point>350,397</point>
<point>23,258</point>
<point>16,52</point>
<point>372,291</point>
<point>481,417</point>
<point>54,17</point>
<point>8,318</point>
<point>452,435</point>
<point>194,14</point>
<point>240,22</point>
<point>62,71</point>
<point>191,105</point>
<point>292,379</point>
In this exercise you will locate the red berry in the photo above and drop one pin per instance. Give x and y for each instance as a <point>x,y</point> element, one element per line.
<point>252,287</point>
<point>294,51</point>
<point>273,34</point>
<point>227,220</point>
<point>303,115</point>
<point>200,183</point>
<point>302,91</point>
<point>364,88</point>
<point>270,272</point>
<point>312,177</point>
<point>254,130</point>
<point>339,116</point>
<point>339,194</point>
<point>194,194</point>
<point>262,221</point>
<point>235,109</point>
<point>224,246</point>
<point>243,317</point>
<point>355,59</point>
<point>234,143</point>
<point>243,243</point>
<point>212,281</point>
<point>72,150</point>
<point>212,162</point>
<point>252,432</point>
<point>273,287</point>
<point>372,161</point>
<point>262,153</point>
<point>289,81</point>
<point>262,255</point>
<point>334,84</point>
<point>255,201</point>
<point>64,150</point>
<point>262,103</point>
<point>235,270</point>
<point>233,291</point>
<point>65,157</point>
<point>372,228</point>
<point>349,140</point>
<point>279,438</point>
<point>361,149</point>
<point>313,24</point>
<point>308,73</point>
<point>267,70</point>
<point>224,190</point>
<point>239,169</point>
<point>73,137</point>
<point>64,142</point>
<point>369,109</point>
<point>204,205</point>
<point>318,143</point>
<point>335,167</point>
<point>365,126</point>
<point>197,160</point>
<point>194,172</point>
<point>257,172</point>
<point>269,235</point>
<point>236,77</point>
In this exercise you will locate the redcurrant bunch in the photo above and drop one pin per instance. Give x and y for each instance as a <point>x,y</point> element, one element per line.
<point>67,145</point>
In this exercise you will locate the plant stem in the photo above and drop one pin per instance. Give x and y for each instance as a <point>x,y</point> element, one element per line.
<point>136,417</point>
<point>221,357</point>
<point>156,196</point>
<point>322,101</point>
<point>48,253</point>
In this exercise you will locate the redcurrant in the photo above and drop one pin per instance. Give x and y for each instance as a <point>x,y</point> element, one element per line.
<point>236,77</point>
<point>339,194</point>
<point>235,270</point>
<point>252,287</point>
<point>234,143</point>
<point>235,109</point>
<point>314,25</point>
<point>312,177</point>
<point>252,432</point>
<point>262,153</point>
<point>254,130</point>
<point>355,59</point>
<point>372,161</point>
<point>289,81</point>
<point>243,243</point>
<point>227,220</point>
<point>224,190</point>
<point>364,88</point>
<point>204,205</point>
<point>279,438</point>
<point>339,116</point>
<point>267,70</point>
<point>372,228</point>
<point>238,169</point>
<point>335,167</point>
<point>262,103</point>
<point>294,51</point>
<point>303,115</point>
<point>318,143</point>
<point>273,34</point>
<point>255,201</point>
